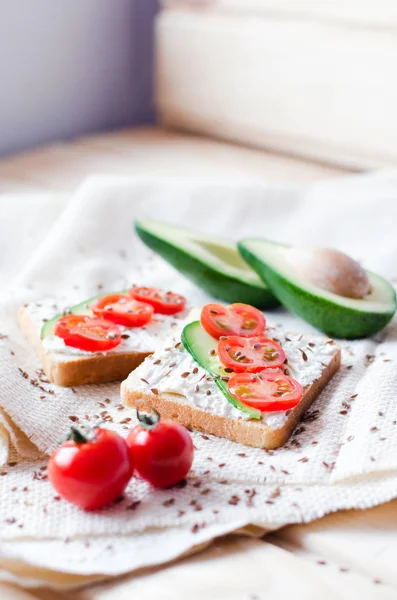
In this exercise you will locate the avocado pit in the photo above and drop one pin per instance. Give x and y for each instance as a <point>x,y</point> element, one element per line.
<point>330,270</point>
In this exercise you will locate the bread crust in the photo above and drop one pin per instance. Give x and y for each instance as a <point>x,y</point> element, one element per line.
<point>248,432</point>
<point>97,368</point>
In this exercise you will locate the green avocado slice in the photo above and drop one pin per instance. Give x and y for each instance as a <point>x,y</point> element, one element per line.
<point>83,308</point>
<point>336,315</point>
<point>204,350</point>
<point>211,263</point>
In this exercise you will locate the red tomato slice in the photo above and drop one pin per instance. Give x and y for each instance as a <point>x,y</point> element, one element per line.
<point>88,333</point>
<point>164,303</point>
<point>250,354</point>
<point>236,319</point>
<point>121,309</point>
<point>266,391</point>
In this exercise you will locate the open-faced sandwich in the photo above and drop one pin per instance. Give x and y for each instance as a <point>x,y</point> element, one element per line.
<point>103,338</point>
<point>228,377</point>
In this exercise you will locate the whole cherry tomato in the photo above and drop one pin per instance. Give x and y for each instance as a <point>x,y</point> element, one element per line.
<point>162,450</point>
<point>91,470</point>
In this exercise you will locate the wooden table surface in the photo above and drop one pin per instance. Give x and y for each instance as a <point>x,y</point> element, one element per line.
<point>311,560</point>
<point>148,151</point>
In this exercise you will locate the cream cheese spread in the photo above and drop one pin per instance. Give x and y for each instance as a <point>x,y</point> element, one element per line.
<point>172,370</point>
<point>136,339</point>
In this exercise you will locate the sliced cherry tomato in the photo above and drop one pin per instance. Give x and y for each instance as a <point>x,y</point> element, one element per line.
<point>164,303</point>
<point>91,470</point>
<point>162,450</point>
<point>250,354</point>
<point>121,309</point>
<point>88,333</point>
<point>265,390</point>
<point>236,319</point>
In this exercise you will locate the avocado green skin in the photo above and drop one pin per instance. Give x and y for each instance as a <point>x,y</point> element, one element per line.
<point>187,333</point>
<point>214,282</point>
<point>83,308</point>
<point>335,320</point>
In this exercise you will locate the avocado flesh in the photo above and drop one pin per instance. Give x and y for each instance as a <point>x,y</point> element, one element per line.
<point>83,308</point>
<point>211,263</point>
<point>202,347</point>
<point>336,315</point>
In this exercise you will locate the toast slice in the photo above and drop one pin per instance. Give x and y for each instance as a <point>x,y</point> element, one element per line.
<point>272,431</point>
<point>74,368</point>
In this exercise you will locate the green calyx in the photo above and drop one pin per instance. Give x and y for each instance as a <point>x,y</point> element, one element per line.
<point>148,420</point>
<point>79,437</point>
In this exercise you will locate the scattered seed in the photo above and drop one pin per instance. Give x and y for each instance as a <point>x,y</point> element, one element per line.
<point>275,494</point>
<point>304,355</point>
<point>234,500</point>
<point>133,505</point>
<point>169,502</point>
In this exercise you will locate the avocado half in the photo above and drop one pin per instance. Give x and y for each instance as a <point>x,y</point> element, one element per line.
<point>336,315</point>
<point>213,264</point>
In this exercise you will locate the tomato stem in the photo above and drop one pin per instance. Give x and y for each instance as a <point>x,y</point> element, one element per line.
<point>147,420</point>
<point>78,437</point>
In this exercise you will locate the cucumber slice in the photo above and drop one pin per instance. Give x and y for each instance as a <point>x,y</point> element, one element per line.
<point>83,308</point>
<point>204,350</point>
<point>254,413</point>
<point>213,264</point>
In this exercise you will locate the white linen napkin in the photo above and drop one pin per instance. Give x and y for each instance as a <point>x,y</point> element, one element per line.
<point>93,246</point>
